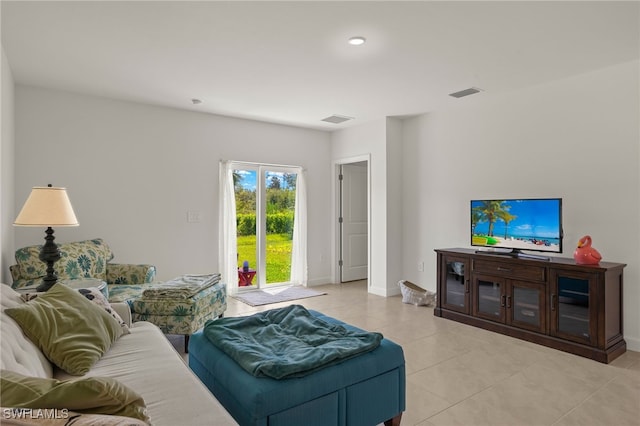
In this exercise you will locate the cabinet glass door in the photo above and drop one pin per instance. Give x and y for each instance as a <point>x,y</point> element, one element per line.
<point>526,306</point>
<point>489,298</point>
<point>573,310</point>
<point>456,289</point>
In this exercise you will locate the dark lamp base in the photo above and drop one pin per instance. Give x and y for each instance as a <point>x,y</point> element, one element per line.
<point>49,254</point>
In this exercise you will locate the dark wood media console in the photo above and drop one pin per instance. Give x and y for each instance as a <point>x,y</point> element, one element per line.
<point>556,303</point>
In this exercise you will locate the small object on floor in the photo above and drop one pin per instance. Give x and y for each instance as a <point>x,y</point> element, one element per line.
<point>415,295</point>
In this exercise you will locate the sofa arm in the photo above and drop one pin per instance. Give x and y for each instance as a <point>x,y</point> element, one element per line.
<point>125,273</point>
<point>15,272</point>
<point>124,311</point>
<point>19,281</point>
<point>22,282</point>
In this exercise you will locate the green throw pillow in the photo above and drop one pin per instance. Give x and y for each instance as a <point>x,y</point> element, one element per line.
<point>95,395</point>
<point>72,332</point>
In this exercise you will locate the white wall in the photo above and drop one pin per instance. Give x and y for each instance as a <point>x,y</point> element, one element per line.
<point>7,214</point>
<point>134,171</point>
<point>372,139</point>
<point>395,205</point>
<point>576,138</point>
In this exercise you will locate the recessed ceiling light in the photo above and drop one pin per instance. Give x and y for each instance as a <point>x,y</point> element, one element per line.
<point>357,41</point>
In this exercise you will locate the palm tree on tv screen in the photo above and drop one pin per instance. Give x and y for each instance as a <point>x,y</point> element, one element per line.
<point>490,211</point>
<point>476,217</point>
<point>506,218</point>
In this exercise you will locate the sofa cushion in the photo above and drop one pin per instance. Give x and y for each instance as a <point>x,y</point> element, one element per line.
<point>146,362</point>
<point>99,395</point>
<point>70,330</point>
<point>80,259</point>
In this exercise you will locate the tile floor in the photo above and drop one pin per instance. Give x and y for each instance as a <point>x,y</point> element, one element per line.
<point>461,375</point>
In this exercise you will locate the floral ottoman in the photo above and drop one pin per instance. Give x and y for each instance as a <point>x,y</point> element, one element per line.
<point>179,314</point>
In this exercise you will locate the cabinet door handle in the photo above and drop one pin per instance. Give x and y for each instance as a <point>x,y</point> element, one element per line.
<point>502,300</point>
<point>501,269</point>
<point>508,301</point>
<point>553,302</point>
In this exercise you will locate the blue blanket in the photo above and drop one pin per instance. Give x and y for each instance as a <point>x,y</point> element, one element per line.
<point>287,342</point>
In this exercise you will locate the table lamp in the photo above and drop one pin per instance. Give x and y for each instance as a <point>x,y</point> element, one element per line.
<point>47,207</point>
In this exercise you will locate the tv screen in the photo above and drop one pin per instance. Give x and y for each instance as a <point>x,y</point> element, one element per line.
<point>517,224</point>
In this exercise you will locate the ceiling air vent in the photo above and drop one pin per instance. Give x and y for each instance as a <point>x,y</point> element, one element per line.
<point>465,92</point>
<point>337,119</point>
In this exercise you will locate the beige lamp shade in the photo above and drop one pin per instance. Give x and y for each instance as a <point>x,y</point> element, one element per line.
<point>47,206</point>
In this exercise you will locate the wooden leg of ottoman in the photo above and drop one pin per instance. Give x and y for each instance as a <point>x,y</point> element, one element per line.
<point>394,421</point>
<point>186,343</point>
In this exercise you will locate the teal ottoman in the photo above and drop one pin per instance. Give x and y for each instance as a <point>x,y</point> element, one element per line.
<point>362,391</point>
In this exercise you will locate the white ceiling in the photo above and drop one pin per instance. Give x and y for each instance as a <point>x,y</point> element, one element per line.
<point>289,62</point>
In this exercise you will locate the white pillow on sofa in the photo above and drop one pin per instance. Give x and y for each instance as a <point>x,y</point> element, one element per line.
<point>17,353</point>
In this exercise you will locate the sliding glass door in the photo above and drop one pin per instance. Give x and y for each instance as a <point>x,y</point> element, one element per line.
<point>265,199</point>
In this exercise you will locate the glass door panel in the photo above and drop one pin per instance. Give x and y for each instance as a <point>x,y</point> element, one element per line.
<point>527,306</point>
<point>573,307</point>
<point>456,291</point>
<point>244,182</point>
<point>489,298</point>
<point>280,202</point>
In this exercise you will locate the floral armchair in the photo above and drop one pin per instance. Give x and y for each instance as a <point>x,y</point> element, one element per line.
<point>78,260</point>
<point>125,283</point>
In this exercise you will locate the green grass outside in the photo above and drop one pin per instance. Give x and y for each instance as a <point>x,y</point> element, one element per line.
<point>278,256</point>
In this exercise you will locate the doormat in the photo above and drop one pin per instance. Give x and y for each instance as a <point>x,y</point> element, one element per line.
<point>266,297</point>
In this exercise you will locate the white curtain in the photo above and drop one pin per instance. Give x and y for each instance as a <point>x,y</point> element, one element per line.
<point>299,250</point>
<point>227,241</point>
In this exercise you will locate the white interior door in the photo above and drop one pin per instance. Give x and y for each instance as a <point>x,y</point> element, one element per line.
<point>354,234</point>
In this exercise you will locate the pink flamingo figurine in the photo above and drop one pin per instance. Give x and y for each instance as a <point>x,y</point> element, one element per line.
<point>585,254</point>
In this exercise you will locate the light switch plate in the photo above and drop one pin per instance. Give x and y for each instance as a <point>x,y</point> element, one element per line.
<point>193,216</point>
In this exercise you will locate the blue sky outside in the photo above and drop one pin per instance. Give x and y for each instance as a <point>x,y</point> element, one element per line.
<point>249,177</point>
<point>248,180</point>
<point>534,218</point>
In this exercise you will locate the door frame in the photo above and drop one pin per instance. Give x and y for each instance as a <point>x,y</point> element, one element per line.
<point>335,250</point>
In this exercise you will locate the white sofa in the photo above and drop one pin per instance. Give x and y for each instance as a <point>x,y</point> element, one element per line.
<point>143,360</point>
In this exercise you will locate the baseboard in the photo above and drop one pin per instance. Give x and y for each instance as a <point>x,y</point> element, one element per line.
<point>385,292</point>
<point>393,290</point>
<point>633,344</point>
<point>319,281</point>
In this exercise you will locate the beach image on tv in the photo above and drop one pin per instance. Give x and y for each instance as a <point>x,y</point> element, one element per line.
<point>516,224</point>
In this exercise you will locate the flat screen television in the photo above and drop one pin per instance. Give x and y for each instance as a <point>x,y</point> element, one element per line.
<point>517,224</point>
